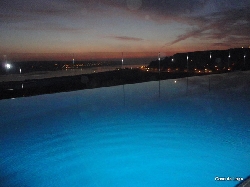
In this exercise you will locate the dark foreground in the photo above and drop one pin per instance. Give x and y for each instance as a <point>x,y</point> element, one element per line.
<point>33,87</point>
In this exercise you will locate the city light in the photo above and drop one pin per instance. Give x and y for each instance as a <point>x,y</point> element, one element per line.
<point>7,66</point>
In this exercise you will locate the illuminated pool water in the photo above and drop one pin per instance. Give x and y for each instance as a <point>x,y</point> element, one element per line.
<point>181,132</point>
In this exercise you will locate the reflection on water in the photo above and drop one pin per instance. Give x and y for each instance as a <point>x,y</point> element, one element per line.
<point>147,134</point>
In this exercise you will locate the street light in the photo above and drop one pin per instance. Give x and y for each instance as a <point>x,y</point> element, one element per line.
<point>187,62</point>
<point>122,60</point>
<point>210,60</point>
<point>159,59</point>
<point>228,61</point>
<point>7,66</point>
<point>244,60</point>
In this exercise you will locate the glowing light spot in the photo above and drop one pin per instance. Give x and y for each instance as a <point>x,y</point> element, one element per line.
<point>7,66</point>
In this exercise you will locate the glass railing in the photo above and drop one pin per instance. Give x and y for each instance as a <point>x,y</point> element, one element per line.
<point>47,72</point>
<point>93,62</point>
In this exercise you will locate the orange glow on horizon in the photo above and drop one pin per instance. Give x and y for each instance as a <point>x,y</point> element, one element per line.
<point>108,56</point>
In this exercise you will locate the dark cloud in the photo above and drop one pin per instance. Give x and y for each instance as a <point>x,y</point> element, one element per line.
<point>56,7</point>
<point>126,38</point>
<point>223,20</point>
<point>229,26</point>
<point>232,26</point>
<point>22,11</point>
<point>220,44</point>
<point>50,27</point>
<point>162,8</point>
<point>172,7</point>
<point>194,33</point>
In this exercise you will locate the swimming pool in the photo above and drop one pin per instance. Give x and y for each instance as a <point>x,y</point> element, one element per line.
<point>179,132</point>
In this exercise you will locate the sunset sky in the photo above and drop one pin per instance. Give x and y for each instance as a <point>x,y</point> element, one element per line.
<point>84,26</point>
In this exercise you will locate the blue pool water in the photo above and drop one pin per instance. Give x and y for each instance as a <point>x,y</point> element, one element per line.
<point>166,133</point>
